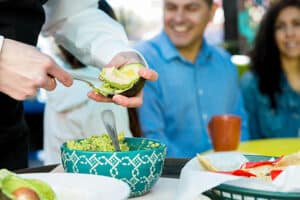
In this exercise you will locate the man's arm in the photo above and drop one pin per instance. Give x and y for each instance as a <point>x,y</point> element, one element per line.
<point>95,39</point>
<point>87,32</point>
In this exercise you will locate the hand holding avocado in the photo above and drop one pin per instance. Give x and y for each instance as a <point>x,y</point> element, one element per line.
<point>124,80</point>
<point>134,99</point>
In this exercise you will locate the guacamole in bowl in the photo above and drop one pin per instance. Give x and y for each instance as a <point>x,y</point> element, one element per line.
<point>140,165</point>
<point>97,143</point>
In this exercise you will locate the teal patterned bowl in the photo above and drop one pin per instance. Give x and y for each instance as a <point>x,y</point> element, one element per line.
<point>140,167</point>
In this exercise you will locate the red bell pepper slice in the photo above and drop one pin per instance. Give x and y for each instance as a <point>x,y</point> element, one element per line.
<point>275,172</point>
<point>238,172</point>
<point>247,165</point>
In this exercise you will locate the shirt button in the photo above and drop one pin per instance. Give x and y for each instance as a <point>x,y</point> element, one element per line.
<point>200,92</point>
<point>204,116</point>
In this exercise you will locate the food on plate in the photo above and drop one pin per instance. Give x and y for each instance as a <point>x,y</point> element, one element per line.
<point>124,80</point>
<point>98,143</point>
<point>266,169</point>
<point>206,163</point>
<point>293,159</point>
<point>13,187</point>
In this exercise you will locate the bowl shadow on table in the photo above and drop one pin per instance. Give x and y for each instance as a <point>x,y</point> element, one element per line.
<point>140,167</point>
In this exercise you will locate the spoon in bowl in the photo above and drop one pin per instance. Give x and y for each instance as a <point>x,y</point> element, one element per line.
<point>110,125</point>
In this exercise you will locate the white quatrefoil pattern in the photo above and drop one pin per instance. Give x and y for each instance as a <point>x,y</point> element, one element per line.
<point>139,169</point>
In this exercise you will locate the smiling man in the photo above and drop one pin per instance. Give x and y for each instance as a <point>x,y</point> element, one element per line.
<point>197,80</point>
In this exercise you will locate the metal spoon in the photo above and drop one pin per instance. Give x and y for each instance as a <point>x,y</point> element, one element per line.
<point>86,79</point>
<point>110,125</point>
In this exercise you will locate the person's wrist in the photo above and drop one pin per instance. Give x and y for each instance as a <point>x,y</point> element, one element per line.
<point>138,56</point>
<point>1,42</point>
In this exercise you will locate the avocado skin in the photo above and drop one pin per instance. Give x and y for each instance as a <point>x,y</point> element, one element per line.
<point>136,88</point>
<point>130,92</point>
<point>3,196</point>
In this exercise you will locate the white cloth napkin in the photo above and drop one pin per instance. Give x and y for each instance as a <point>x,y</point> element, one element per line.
<point>289,179</point>
<point>193,183</point>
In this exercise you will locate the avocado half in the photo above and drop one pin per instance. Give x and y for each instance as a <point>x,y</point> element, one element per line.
<point>13,187</point>
<point>124,80</point>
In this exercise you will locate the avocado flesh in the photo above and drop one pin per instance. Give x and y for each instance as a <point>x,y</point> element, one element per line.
<point>46,191</point>
<point>120,80</point>
<point>12,182</point>
<point>4,173</point>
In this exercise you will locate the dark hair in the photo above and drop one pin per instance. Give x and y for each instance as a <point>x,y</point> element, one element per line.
<point>265,58</point>
<point>105,7</point>
<point>72,60</point>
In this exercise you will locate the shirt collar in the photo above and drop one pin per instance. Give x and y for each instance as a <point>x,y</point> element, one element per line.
<point>166,47</point>
<point>205,52</point>
<point>169,51</point>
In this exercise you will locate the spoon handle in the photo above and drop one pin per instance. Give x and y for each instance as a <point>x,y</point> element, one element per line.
<point>110,125</point>
<point>114,137</point>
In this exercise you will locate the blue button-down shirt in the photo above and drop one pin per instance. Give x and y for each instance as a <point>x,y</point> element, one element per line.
<point>178,106</point>
<point>265,122</point>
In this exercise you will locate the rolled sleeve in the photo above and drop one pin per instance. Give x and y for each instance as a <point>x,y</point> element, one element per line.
<point>87,32</point>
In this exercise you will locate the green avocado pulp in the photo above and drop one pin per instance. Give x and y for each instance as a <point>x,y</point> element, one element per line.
<point>98,143</point>
<point>120,80</point>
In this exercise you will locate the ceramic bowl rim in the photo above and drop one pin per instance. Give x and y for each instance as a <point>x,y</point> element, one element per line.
<point>161,147</point>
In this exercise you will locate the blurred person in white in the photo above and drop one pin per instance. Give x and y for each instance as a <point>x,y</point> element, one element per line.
<point>70,114</point>
<point>93,37</point>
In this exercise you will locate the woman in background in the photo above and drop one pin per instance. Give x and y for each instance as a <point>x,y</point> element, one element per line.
<point>272,89</point>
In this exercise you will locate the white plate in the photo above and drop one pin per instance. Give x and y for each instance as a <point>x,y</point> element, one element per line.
<point>70,186</point>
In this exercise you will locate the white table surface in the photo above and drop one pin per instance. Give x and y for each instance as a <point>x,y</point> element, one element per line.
<point>164,189</point>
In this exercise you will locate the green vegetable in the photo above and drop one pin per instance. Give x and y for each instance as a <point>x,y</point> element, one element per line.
<point>124,80</point>
<point>152,145</point>
<point>14,187</point>
<point>97,143</point>
<point>4,173</point>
